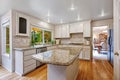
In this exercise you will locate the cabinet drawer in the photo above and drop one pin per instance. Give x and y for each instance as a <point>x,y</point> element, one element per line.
<point>29,62</point>
<point>29,68</point>
<point>27,57</point>
<point>30,52</point>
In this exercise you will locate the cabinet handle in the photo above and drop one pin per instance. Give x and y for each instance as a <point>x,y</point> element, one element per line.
<point>116,53</point>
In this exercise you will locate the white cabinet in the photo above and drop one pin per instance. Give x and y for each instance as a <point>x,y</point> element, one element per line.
<point>62,31</point>
<point>24,62</point>
<point>76,27</point>
<point>58,31</point>
<point>65,33</point>
<point>86,53</point>
<point>87,29</point>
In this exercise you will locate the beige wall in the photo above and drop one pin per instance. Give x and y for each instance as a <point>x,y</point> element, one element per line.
<point>108,22</point>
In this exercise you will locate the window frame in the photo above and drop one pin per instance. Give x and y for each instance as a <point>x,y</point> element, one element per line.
<point>49,31</point>
<point>43,29</point>
<point>4,26</point>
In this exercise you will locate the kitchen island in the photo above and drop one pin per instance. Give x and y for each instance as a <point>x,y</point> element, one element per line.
<point>63,63</point>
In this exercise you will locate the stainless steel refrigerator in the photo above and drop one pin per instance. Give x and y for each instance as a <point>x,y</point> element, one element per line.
<point>110,46</point>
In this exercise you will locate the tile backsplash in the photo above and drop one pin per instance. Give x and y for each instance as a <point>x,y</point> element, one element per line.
<point>74,38</point>
<point>21,41</point>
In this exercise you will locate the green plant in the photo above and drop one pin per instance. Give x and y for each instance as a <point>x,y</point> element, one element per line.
<point>47,36</point>
<point>36,37</point>
<point>53,42</point>
<point>32,38</point>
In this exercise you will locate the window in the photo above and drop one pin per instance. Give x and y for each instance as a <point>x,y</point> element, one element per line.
<point>47,37</point>
<point>7,41</point>
<point>36,36</point>
<point>22,25</point>
<point>40,36</point>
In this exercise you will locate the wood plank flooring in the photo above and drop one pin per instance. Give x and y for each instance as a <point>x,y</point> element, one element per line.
<point>95,70</point>
<point>89,70</point>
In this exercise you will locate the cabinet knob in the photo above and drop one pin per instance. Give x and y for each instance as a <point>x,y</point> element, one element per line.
<point>116,53</point>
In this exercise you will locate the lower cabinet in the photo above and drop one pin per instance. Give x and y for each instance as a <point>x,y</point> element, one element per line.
<point>86,53</point>
<point>24,62</point>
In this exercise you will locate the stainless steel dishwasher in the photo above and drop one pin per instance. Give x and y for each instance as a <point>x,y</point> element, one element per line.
<point>39,50</point>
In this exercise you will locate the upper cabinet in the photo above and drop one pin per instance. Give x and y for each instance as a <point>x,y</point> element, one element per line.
<point>87,29</point>
<point>76,27</point>
<point>65,31</point>
<point>62,31</point>
<point>22,25</point>
<point>58,31</point>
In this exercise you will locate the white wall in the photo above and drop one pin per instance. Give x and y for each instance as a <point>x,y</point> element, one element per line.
<point>6,61</point>
<point>107,22</point>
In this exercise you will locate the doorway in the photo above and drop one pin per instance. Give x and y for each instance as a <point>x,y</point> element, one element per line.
<point>100,42</point>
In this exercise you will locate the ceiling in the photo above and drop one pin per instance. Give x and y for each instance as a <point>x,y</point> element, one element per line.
<point>59,10</point>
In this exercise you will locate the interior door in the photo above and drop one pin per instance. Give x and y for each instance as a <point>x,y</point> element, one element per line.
<point>116,39</point>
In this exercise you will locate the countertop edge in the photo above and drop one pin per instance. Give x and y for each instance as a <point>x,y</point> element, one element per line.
<point>57,63</point>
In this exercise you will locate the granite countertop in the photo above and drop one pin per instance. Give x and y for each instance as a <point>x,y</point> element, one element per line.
<point>59,56</point>
<point>40,46</point>
<point>33,47</point>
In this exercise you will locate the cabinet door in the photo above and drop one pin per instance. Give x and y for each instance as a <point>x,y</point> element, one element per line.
<point>29,63</point>
<point>87,29</point>
<point>57,31</point>
<point>65,31</point>
<point>76,27</point>
<point>79,27</point>
<point>72,28</point>
<point>30,52</point>
<point>87,52</point>
<point>81,55</point>
<point>62,31</point>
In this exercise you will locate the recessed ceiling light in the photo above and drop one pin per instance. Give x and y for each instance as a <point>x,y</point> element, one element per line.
<point>102,13</point>
<point>72,8</point>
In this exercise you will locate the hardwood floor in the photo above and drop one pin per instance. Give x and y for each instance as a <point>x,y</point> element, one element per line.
<point>95,70</point>
<point>89,70</point>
